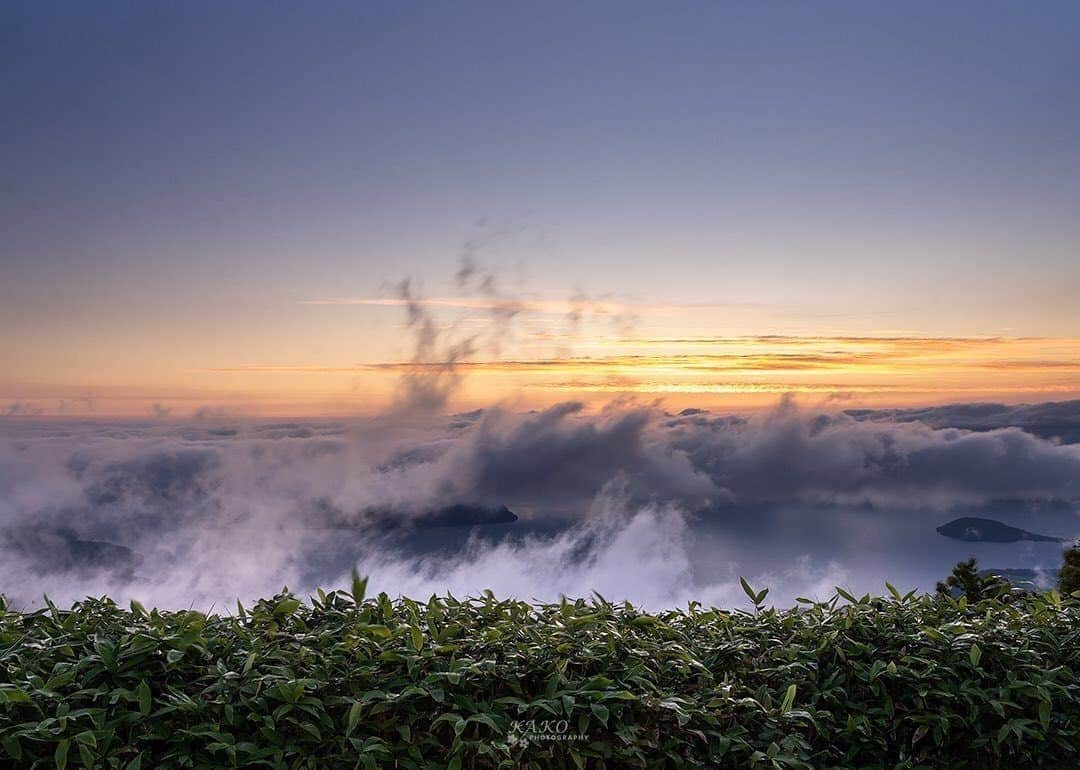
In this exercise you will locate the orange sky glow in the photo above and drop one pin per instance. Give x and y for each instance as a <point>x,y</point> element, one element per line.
<point>542,367</point>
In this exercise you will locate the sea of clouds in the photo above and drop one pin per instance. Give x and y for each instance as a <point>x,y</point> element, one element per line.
<point>630,501</point>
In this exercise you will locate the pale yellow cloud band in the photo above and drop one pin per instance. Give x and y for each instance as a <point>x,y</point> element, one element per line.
<point>707,371</point>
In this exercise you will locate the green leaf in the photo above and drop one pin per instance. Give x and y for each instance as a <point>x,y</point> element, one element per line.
<point>485,719</point>
<point>1044,714</point>
<point>748,590</point>
<point>417,638</point>
<point>145,698</point>
<point>975,654</point>
<point>354,717</point>
<point>286,607</point>
<point>359,587</point>
<point>789,699</point>
<point>376,631</point>
<point>601,712</point>
<point>61,753</point>
<point>934,634</point>
<point>845,595</point>
<point>12,747</point>
<point>14,695</point>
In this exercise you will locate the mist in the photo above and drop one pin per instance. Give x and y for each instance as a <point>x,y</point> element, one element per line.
<point>629,501</point>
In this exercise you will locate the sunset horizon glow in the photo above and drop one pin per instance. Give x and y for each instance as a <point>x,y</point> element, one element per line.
<point>732,373</point>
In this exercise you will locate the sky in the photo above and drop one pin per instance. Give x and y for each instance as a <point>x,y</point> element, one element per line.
<point>213,207</point>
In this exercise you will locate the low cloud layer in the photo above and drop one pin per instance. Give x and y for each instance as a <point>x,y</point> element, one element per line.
<point>1054,420</point>
<point>630,501</point>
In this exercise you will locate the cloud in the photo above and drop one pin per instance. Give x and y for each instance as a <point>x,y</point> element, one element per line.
<point>788,456</point>
<point>617,549</point>
<point>555,460</point>
<point>212,414</point>
<point>44,551</point>
<point>630,500</point>
<point>83,404</point>
<point>22,409</point>
<point>621,552</point>
<point>509,345</point>
<point>434,371</point>
<point>558,459</point>
<point>432,375</point>
<point>1055,419</point>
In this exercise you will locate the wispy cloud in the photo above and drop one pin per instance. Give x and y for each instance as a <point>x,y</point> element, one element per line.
<point>762,364</point>
<point>554,307</point>
<point>615,385</point>
<point>764,354</point>
<point>574,306</point>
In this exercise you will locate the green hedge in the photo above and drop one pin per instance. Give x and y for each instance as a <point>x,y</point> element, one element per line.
<point>912,681</point>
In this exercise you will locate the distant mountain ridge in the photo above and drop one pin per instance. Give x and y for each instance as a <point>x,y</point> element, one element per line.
<point>973,529</point>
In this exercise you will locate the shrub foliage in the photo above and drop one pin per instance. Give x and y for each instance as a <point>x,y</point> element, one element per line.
<point>966,579</point>
<point>1069,576</point>
<point>342,682</point>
